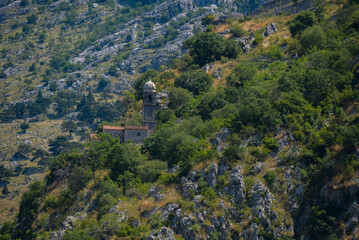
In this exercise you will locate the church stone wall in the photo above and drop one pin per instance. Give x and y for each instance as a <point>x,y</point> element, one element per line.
<point>135,135</point>
<point>114,133</point>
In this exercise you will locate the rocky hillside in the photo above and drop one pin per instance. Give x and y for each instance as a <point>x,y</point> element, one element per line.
<point>54,52</point>
<point>256,133</point>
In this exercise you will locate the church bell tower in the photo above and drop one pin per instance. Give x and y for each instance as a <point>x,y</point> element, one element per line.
<point>149,106</point>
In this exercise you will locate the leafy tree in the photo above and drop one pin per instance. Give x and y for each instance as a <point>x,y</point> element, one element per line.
<point>69,126</point>
<point>30,202</point>
<point>178,97</point>
<point>208,47</point>
<point>32,19</point>
<point>155,143</point>
<point>105,202</point>
<point>5,191</point>
<point>271,144</point>
<point>4,172</point>
<point>196,82</point>
<point>180,148</point>
<point>107,112</point>
<point>237,30</point>
<point>112,71</point>
<point>79,177</point>
<point>242,73</point>
<point>122,158</point>
<point>300,22</point>
<point>61,144</point>
<point>125,179</point>
<point>32,68</point>
<point>43,155</point>
<point>211,102</point>
<point>24,3</point>
<point>27,28</point>
<point>24,126</point>
<point>53,86</point>
<point>322,225</point>
<point>42,37</point>
<point>66,101</point>
<point>24,149</point>
<point>312,37</point>
<point>209,19</point>
<point>150,171</point>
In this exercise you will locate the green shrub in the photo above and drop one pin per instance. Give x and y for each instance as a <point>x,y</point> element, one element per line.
<point>271,144</point>
<point>150,171</point>
<point>209,19</point>
<point>274,52</point>
<point>166,178</point>
<point>105,202</point>
<point>209,46</point>
<point>156,221</point>
<point>301,21</point>
<point>178,97</point>
<point>195,81</point>
<point>237,31</point>
<point>79,177</point>
<point>51,201</point>
<point>248,183</point>
<point>271,178</point>
<point>242,73</point>
<point>312,37</point>
<point>260,154</point>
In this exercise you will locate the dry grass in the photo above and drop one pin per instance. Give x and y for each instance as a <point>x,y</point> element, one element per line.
<point>136,206</point>
<point>38,134</point>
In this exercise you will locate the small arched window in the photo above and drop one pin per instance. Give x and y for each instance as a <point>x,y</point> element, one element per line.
<point>149,98</point>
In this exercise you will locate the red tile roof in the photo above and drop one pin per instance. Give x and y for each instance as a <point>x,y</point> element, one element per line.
<point>107,127</point>
<point>136,127</point>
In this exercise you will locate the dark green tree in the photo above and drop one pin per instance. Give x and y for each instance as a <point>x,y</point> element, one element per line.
<point>209,19</point>
<point>312,37</point>
<point>208,47</point>
<point>69,126</point>
<point>32,68</point>
<point>24,126</point>
<point>32,19</point>
<point>300,22</point>
<point>178,97</point>
<point>122,158</point>
<point>196,82</point>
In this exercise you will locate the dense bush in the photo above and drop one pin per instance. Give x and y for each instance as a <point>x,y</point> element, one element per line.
<point>122,158</point>
<point>208,47</point>
<point>196,82</point>
<point>242,73</point>
<point>237,30</point>
<point>301,21</point>
<point>312,37</point>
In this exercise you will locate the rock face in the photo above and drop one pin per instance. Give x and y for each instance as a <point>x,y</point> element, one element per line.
<point>188,187</point>
<point>270,30</point>
<point>236,185</point>
<point>246,42</point>
<point>261,203</point>
<point>162,234</point>
<point>141,58</point>
<point>155,193</point>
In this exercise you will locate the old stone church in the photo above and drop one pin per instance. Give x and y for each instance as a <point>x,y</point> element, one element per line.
<point>136,134</point>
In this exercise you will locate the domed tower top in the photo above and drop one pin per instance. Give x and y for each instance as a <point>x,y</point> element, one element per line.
<point>149,87</point>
